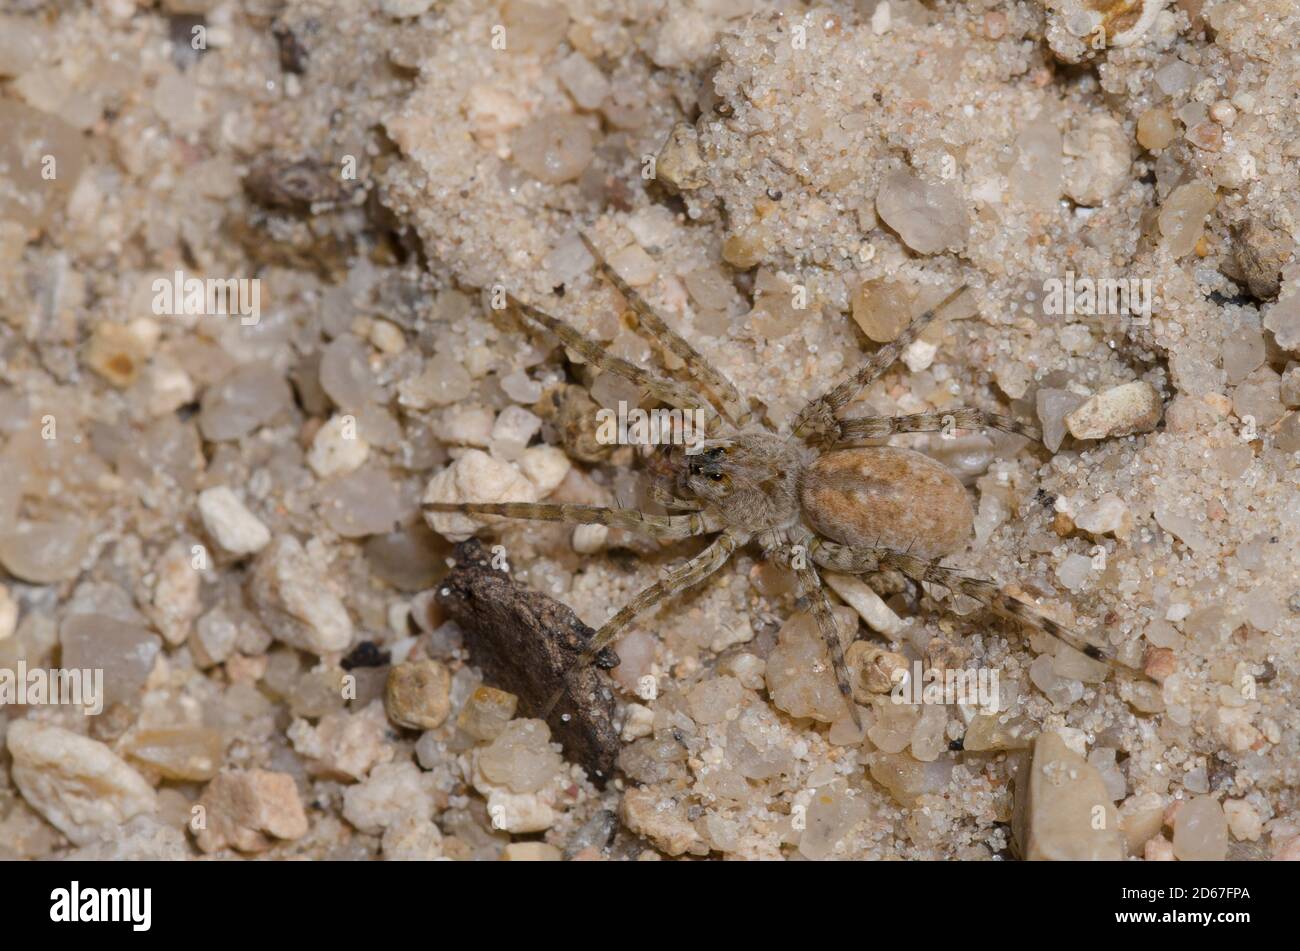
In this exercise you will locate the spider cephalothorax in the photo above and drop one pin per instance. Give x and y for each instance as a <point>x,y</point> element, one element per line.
<point>810,497</point>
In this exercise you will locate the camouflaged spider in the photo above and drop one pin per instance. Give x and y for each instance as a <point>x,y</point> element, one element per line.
<point>809,497</point>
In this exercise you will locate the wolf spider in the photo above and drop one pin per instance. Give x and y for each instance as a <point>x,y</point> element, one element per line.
<point>809,498</point>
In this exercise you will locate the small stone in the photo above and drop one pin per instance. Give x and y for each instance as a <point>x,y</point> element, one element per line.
<point>554,148</point>
<point>1074,571</point>
<point>908,779</point>
<point>404,9</point>
<point>124,650</point>
<point>1283,318</point>
<point>831,815</point>
<point>929,216</point>
<point>634,265</point>
<point>486,712</point>
<point>715,701</point>
<point>584,81</point>
<point>229,522</point>
<point>1182,217</point>
<point>475,477</point>
<point>1129,408</point>
<point>997,732</point>
<point>44,552</point>
<point>343,745</point>
<point>78,784</point>
<point>1260,254</point>
<point>859,596</point>
<point>1063,811</point>
<point>245,809</point>
<point>1140,818</point>
<point>116,353</point>
<point>1201,831</point>
<point>418,694</point>
<point>337,448</point>
<point>512,431</point>
<point>680,164</point>
<point>1155,129</point>
<point>531,852</point>
<point>1260,397</point>
<point>662,820</point>
<point>442,382</point>
<point>521,757</point>
<point>882,309</point>
<point>303,609</point>
<point>590,539</point>
<point>1158,849</point>
<point>183,754</point>
<point>1106,516</point>
<point>244,400</point>
<point>392,792</point>
<point>519,813</point>
<point>1097,159</point>
<point>1243,354</point>
<point>1053,407</point>
<point>799,676</point>
<point>412,839</point>
<point>1161,662</point>
<point>545,467</point>
<point>1243,821</point>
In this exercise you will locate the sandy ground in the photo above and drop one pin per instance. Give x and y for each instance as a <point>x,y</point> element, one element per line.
<point>221,513</point>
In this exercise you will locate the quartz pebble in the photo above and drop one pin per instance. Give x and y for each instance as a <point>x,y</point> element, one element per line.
<point>521,757</point>
<point>1283,318</point>
<point>78,784</point>
<point>486,712</point>
<point>412,839</point>
<point>859,596</point>
<point>337,448</point>
<point>554,148</point>
<point>344,745</point>
<point>1128,408</point>
<point>418,694</point>
<point>1053,407</point>
<point>679,164</point>
<point>291,589</point>
<point>1183,215</point>
<point>125,651</point>
<point>929,216</point>
<point>474,477</point>
<point>799,675</point>
<point>1201,831</point>
<point>392,792</point>
<point>44,552</point>
<point>246,809</point>
<point>1058,799</point>
<point>229,522</point>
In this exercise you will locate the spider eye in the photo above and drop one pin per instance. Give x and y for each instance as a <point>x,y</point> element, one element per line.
<point>716,476</point>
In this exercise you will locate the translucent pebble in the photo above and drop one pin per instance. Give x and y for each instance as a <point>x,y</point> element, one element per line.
<point>584,81</point>
<point>1182,217</point>
<point>1155,128</point>
<point>554,148</point>
<point>799,675</point>
<point>1053,406</point>
<point>125,652</point>
<point>568,259</point>
<point>486,712</point>
<point>712,701</point>
<point>907,779</point>
<point>929,216</point>
<point>882,309</point>
<point>831,815</point>
<point>1201,831</point>
<point>1259,397</point>
<point>183,754</point>
<point>242,401</point>
<point>895,723</point>
<point>521,757</point>
<point>1036,175</point>
<point>928,739</point>
<point>1074,571</point>
<point>1243,353</point>
<point>345,373</point>
<point>44,552</point>
<point>1283,318</point>
<point>520,388</point>
<point>533,27</point>
<point>511,432</point>
<point>365,502</point>
<point>1174,77</point>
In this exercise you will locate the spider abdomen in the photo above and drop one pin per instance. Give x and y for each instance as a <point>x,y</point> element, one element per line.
<point>886,496</point>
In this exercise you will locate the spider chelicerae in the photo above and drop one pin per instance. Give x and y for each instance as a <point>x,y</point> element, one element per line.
<point>811,496</point>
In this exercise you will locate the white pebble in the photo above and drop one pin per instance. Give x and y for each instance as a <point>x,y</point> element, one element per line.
<point>337,448</point>
<point>859,596</point>
<point>474,477</point>
<point>230,523</point>
<point>1108,515</point>
<point>513,428</point>
<point>545,467</point>
<point>387,337</point>
<point>589,539</point>
<point>919,355</point>
<point>1128,408</point>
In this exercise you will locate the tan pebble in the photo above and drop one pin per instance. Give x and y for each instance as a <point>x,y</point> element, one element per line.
<point>872,669</point>
<point>1243,821</point>
<point>531,852</point>
<point>418,695</point>
<point>1128,408</point>
<point>1158,849</point>
<point>1160,663</point>
<point>245,809</point>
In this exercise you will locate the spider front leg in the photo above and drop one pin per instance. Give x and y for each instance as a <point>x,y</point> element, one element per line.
<point>676,579</point>
<point>666,391</point>
<point>726,398</point>
<point>657,526</point>
<point>817,422</point>
<point>848,431</point>
<point>851,560</point>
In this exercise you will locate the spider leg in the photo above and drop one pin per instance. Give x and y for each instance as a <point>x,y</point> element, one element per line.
<point>727,399</point>
<point>666,391</point>
<point>811,583</point>
<point>676,579</point>
<point>657,526</point>
<point>661,494</point>
<point>862,560</point>
<point>962,417</point>
<point>816,419</point>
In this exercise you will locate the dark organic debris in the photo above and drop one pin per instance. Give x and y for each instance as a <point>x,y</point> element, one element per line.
<point>526,642</point>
